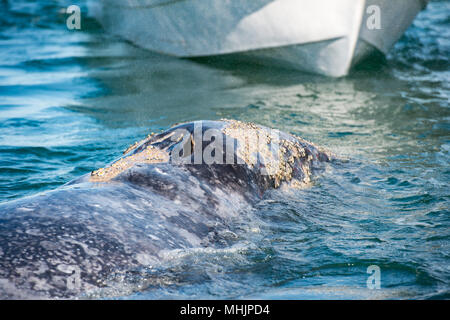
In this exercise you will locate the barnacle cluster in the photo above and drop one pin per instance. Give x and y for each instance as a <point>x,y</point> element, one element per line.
<point>150,154</point>
<point>264,150</point>
<point>281,157</point>
<point>138,143</point>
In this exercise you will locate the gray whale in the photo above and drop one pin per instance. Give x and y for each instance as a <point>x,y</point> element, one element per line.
<point>67,242</point>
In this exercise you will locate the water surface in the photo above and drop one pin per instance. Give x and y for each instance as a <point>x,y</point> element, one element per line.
<point>71,101</point>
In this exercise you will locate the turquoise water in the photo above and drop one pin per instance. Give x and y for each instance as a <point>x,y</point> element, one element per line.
<point>71,101</point>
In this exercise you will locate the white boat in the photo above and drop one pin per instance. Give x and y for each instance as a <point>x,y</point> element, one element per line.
<point>320,36</point>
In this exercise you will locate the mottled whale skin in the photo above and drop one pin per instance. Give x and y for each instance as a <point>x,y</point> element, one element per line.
<point>68,242</point>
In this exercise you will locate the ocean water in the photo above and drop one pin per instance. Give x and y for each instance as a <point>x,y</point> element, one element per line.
<point>72,101</point>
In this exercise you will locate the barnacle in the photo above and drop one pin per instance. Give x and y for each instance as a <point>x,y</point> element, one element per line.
<point>150,154</point>
<point>261,148</point>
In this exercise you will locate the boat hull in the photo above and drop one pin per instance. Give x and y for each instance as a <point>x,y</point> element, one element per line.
<point>395,17</point>
<point>318,36</point>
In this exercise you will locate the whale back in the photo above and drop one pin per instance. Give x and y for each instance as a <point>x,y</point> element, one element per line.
<point>178,189</point>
